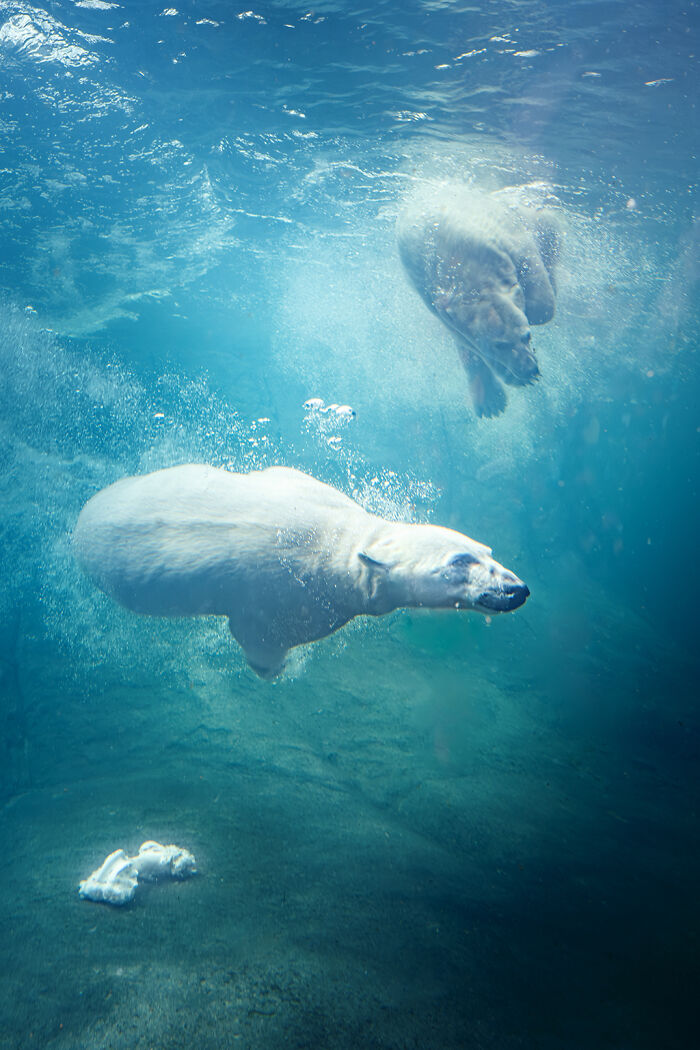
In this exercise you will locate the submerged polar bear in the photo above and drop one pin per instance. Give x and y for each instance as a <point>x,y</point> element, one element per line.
<point>285,557</point>
<point>486,268</point>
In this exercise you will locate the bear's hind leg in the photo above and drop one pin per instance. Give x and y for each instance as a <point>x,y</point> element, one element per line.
<point>487,392</point>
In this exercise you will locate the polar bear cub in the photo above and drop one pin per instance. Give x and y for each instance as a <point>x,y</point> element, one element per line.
<point>288,559</point>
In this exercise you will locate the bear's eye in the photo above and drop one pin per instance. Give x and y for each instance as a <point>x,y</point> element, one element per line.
<point>462,560</point>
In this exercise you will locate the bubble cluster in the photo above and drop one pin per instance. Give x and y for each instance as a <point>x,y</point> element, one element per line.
<point>325,421</point>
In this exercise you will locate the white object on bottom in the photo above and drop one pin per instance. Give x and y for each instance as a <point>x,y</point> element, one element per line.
<point>115,881</point>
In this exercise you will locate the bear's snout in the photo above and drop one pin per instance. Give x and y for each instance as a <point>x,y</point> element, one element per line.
<point>519,367</point>
<point>527,369</point>
<point>507,598</point>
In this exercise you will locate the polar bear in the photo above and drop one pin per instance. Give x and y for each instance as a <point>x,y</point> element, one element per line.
<point>486,268</point>
<point>285,557</point>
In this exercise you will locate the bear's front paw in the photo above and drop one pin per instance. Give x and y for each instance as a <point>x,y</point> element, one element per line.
<point>488,395</point>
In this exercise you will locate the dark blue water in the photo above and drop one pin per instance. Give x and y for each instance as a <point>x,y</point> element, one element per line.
<point>432,831</point>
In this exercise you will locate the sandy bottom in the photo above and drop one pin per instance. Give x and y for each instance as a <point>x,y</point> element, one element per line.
<point>441,861</point>
<point>329,930</point>
<point>319,920</point>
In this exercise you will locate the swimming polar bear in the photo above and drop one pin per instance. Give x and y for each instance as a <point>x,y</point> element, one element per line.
<point>285,557</point>
<point>486,269</point>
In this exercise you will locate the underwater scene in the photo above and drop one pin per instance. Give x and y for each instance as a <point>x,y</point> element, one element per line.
<point>350,447</point>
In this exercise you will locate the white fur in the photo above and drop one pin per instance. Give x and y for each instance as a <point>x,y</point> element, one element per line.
<point>486,269</point>
<point>285,557</point>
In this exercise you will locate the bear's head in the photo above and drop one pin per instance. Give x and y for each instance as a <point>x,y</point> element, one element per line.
<point>436,568</point>
<point>478,295</point>
<point>496,328</point>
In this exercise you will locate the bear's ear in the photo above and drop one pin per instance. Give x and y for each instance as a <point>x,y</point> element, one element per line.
<point>372,563</point>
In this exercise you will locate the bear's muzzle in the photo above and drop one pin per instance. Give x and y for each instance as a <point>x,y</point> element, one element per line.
<point>507,598</point>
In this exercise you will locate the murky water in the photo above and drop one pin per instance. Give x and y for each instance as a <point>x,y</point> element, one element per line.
<point>434,829</point>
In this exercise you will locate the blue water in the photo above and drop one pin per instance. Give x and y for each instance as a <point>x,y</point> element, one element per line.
<point>432,830</point>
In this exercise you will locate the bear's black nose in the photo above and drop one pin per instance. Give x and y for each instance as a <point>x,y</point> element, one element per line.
<point>510,596</point>
<point>517,596</point>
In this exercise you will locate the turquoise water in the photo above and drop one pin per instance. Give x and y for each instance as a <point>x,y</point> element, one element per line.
<point>432,830</point>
